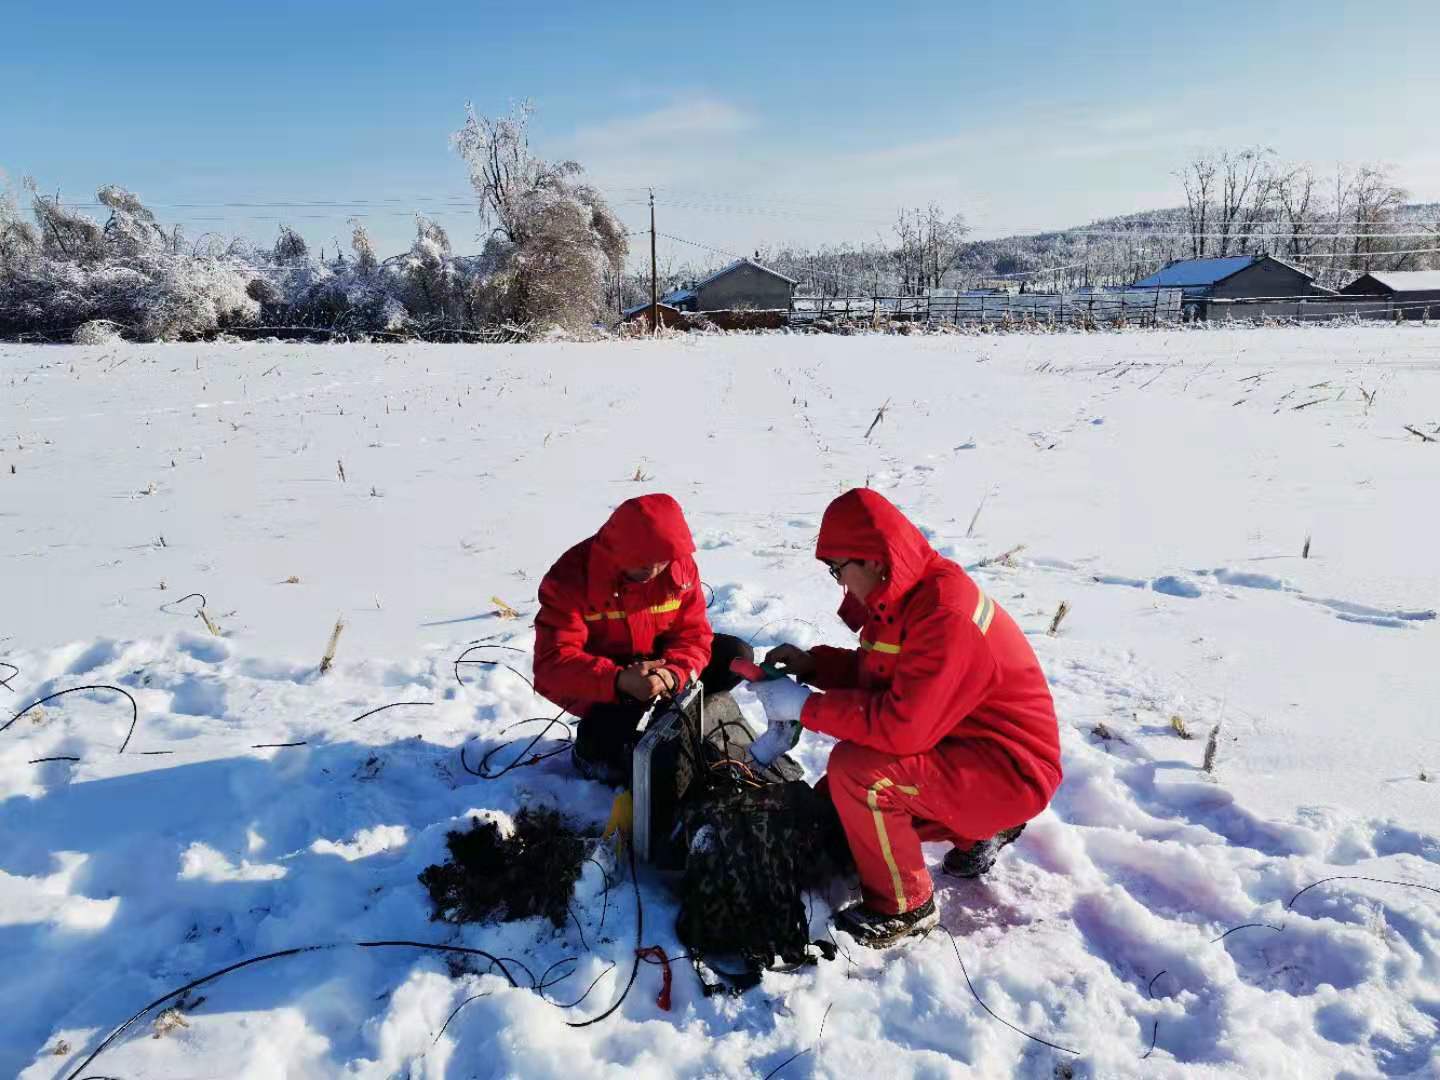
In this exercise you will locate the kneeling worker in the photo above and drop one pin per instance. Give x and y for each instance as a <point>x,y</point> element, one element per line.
<point>621,622</point>
<point>946,725</point>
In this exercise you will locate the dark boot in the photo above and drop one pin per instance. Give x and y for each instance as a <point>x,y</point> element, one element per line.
<point>975,861</point>
<point>878,930</point>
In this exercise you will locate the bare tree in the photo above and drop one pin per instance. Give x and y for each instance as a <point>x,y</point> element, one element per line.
<point>1297,196</point>
<point>1245,191</point>
<point>1199,179</point>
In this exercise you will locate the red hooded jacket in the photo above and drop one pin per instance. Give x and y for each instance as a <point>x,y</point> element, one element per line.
<point>592,618</point>
<point>938,658</point>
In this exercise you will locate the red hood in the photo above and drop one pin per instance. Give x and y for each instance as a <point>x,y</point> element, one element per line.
<point>645,530</point>
<point>863,524</point>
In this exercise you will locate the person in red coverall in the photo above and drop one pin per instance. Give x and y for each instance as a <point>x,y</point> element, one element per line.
<point>946,725</point>
<point>621,622</point>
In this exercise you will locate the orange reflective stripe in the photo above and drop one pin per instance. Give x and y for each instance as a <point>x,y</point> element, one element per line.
<point>984,613</point>
<point>880,646</point>
<point>873,798</point>
<point>673,604</point>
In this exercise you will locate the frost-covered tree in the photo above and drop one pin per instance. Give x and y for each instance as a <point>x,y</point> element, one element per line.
<point>554,238</point>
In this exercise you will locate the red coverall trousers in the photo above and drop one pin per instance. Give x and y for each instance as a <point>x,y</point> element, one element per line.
<point>962,791</point>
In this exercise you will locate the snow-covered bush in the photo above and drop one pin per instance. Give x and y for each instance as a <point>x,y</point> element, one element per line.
<point>68,271</point>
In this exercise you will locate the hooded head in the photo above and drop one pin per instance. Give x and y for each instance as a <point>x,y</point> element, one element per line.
<point>643,531</point>
<point>863,524</point>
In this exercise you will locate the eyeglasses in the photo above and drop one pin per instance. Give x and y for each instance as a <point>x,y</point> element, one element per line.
<point>835,568</point>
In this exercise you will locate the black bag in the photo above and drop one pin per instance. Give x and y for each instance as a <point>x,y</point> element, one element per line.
<point>752,851</point>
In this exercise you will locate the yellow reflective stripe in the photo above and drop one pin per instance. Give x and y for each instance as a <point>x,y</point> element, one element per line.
<point>874,800</point>
<point>984,613</point>
<point>673,604</point>
<point>880,646</point>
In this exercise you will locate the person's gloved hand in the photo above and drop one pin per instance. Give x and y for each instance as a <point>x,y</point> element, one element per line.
<point>782,699</point>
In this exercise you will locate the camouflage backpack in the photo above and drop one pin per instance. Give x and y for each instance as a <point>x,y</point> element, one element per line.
<point>752,851</point>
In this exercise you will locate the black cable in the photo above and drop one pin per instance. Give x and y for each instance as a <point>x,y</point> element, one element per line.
<point>488,663</point>
<point>1246,926</point>
<point>545,982</point>
<point>1020,1031</point>
<point>5,682</point>
<point>639,943</point>
<point>1355,877</point>
<point>60,757</point>
<point>605,895</point>
<point>818,1039</point>
<point>275,745</point>
<point>134,709</point>
<point>580,1000</point>
<point>392,705</point>
<point>456,1013</point>
<point>579,929</point>
<point>188,596</point>
<point>495,961</point>
<point>524,757</point>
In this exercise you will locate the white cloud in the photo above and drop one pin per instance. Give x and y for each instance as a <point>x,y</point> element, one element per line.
<point>680,119</point>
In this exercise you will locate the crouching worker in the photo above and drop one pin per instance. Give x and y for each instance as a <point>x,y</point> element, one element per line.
<point>622,622</point>
<point>947,727</point>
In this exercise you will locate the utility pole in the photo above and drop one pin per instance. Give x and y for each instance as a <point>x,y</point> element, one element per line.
<point>654,293</point>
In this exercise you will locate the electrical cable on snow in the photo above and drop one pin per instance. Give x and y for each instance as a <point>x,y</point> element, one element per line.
<point>525,757</point>
<point>1357,877</point>
<point>165,607</point>
<point>1021,1031</point>
<point>134,709</point>
<point>818,1039</point>
<point>5,682</point>
<point>109,1040</point>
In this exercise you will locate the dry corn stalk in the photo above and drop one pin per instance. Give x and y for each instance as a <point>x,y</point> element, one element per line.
<point>1212,744</point>
<point>1177,724</point>
<point>504,610</point>
<point>209,623</point>
<point>1060,613</point>
<point>329,657</point>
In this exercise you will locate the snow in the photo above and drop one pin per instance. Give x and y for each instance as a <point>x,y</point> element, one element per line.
<point>1161,483</point>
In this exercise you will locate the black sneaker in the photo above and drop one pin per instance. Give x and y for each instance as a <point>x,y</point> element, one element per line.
<point>598,769</point>
<point>878,930</point>
<point>975,861</point>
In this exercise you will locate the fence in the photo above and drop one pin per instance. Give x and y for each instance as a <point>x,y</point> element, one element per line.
<point>1146,307</point>
<point>1331,307</point>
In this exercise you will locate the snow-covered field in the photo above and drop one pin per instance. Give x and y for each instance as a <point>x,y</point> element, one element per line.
<point>1162,484</point>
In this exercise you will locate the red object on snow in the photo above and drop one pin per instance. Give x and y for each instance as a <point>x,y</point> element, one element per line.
<point>654,954</point>
<point>748,670</point>
<point>944,714</point>
<point>592,618</point>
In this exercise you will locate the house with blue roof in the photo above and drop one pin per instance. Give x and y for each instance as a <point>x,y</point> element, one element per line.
<point>1234,277</point>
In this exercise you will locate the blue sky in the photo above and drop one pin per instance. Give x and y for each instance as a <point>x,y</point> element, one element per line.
<point>755,122</point>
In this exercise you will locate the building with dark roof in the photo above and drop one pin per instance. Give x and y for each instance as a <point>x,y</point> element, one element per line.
<point>1234,277</point>
<point>742,284</point>
<point>1412,292</point>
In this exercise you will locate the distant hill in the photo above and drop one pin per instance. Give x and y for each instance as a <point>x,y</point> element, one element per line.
<point>1108,251</point>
